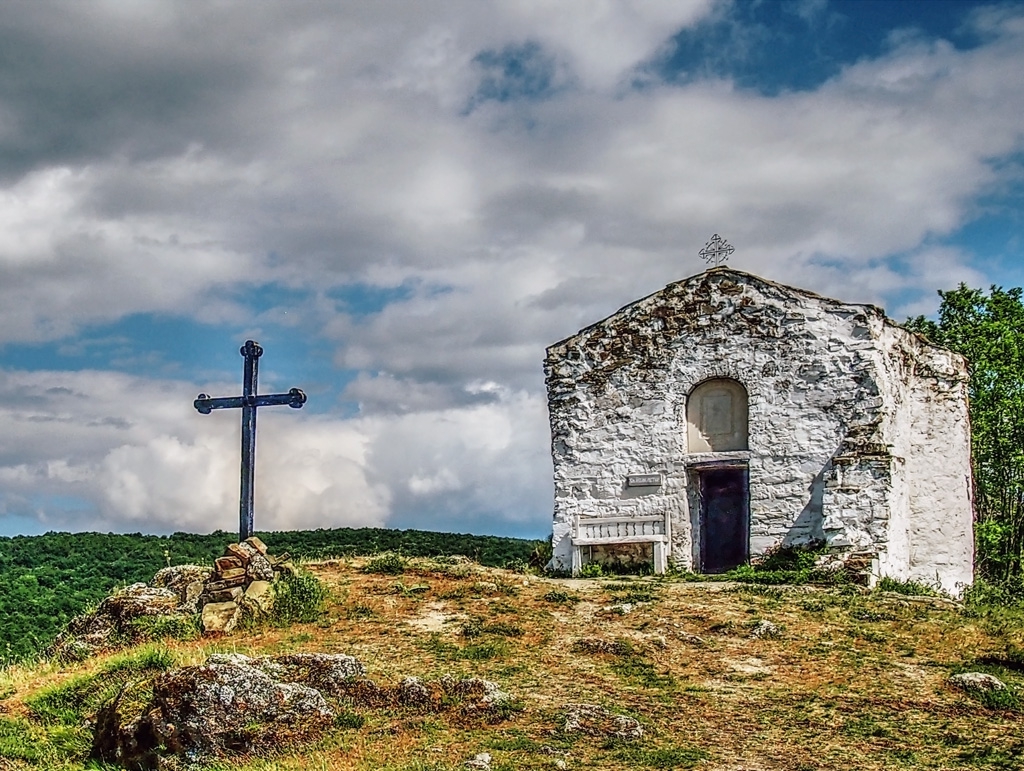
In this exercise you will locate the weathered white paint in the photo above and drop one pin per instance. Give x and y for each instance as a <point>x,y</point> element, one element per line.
<point>858,429</point>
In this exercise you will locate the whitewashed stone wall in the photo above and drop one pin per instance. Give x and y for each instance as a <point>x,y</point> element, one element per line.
<point>930,433</point>
<point>858,430</point>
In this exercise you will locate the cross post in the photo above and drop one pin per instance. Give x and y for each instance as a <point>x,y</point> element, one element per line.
<point>248,402</point>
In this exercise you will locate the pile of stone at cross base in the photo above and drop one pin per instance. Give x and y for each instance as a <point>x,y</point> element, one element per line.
<point>242,576</point>
<point>240,584</point>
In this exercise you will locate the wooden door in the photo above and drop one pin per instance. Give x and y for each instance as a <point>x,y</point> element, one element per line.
<point>724,519</point>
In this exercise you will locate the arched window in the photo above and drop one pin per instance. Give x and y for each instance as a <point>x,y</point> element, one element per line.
<point>716,416</point>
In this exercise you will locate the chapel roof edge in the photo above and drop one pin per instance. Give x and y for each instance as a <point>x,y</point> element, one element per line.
<point>746,277</point>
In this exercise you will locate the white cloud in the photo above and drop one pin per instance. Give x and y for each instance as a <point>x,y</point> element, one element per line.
<point>63,264</point>
<point>163,467</point>
<point>602,39</point>
<point>159,165</point>
<point>160,465</point>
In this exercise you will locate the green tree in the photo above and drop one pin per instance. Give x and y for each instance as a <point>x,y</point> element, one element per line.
<point>989,330</point>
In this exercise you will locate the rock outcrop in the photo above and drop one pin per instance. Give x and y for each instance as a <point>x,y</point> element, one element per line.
<point>237,704</point>
<point>187,581</point>
<point>119,619</point>
<point>230,704</point>
<point>241,582</point>
<point>595,720</point>
<point>977,682</point>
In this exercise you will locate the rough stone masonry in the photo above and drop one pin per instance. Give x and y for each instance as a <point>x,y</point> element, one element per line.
<point>726,414</point>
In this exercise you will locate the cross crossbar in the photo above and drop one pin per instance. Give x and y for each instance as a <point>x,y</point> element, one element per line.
<point>248,402</point>
<point>205,404</point>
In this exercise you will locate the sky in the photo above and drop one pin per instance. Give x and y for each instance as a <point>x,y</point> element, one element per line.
<point>405,203</point>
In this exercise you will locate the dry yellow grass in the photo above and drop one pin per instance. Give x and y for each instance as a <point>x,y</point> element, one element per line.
<point>852,680</point>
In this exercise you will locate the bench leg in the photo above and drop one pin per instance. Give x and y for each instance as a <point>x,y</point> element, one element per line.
<point>577,559</point>
<point>660,561</point>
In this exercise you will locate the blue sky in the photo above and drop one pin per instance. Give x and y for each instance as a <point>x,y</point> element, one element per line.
<point>404,203</point>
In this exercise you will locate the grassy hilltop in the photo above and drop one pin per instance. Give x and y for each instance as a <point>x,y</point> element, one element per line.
<point>721,676</point>
<point>48,579</point>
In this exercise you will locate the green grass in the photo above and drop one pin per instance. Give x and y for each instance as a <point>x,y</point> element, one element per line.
<point>632,594</point>
<point>1011,659</point>
<point>640,756</point>
<point>298,598</point>
<point>49,579</point>
<point>1007,699</point>
<point>164,627</point>
<point>630,665</point>
<point>57,733</point>
<point>43,746</point>
<point>388,564</point>
<point>347,719</point>
<point>477,628</point>
<point>71,701</point>
<point>785,565</point>
<point>839,665</point>
<point>359,611</point>
<point>909,588</point>
<point>559,597</point>
<point>477,651</point>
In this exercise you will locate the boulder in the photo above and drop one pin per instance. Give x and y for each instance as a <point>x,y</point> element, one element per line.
<point>259,595</point>
<point>764,628</point>
<point>234,594</point>
<point>230,704</point>
<point>412,692</point>
<point>220,617</point>
<point>475,692</point>
<point>257,544</point>
<point>259,569</point>
<point>241,551</point>
<point>241,578</point>
<point>233,703</point>
<point>139,600</point>
<point>277,559</point>
<point>977,681</point>
<point>181,579</point>
<point>597,645</point>
<point>190,601</point>
<point>227,563</point>
<point>227,583</point>
<point>472,695</point>
<point>327,672</point>
<point>595,720</point>
<point>481,761</point>
<point>110,625</point>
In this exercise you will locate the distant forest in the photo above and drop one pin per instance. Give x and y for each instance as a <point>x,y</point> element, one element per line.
<point>48,579</point>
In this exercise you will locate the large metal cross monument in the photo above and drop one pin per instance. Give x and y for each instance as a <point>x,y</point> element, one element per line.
<point>248,401</point>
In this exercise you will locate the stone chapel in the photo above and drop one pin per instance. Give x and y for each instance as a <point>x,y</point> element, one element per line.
<point>726,415</point>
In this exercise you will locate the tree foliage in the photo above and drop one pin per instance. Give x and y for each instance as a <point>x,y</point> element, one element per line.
<point>989,330</point>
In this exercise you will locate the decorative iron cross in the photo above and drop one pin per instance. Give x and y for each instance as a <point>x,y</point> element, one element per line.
<point>248,401</point>
<point>716,251</point>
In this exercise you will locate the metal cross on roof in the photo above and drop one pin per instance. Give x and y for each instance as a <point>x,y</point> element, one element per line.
<point>716,251</point>
<point>248,401</point>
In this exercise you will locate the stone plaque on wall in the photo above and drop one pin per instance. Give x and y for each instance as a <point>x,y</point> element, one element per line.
<point>643,480</point>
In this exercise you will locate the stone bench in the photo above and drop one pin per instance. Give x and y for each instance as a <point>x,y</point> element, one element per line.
<point>606,531</point>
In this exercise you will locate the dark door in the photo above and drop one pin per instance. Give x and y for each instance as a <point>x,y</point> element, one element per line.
<point>724,519</point>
